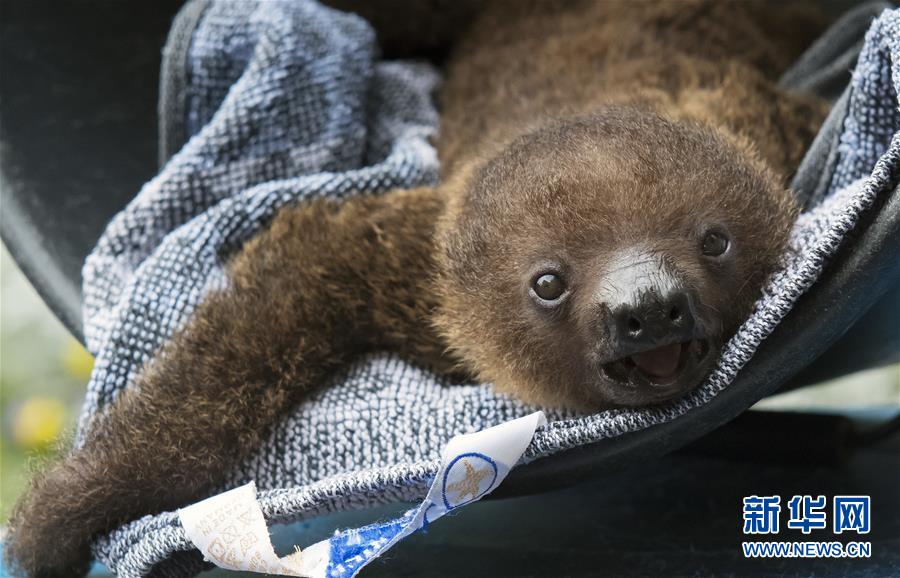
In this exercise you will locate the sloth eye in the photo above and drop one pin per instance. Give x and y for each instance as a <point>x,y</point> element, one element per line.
<point>714,244</point>
<point>549,287</point>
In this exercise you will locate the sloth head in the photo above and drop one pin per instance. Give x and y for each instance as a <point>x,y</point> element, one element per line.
<point>604,261</point>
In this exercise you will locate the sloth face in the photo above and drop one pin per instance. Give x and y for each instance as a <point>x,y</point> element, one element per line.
<point>605,261</point>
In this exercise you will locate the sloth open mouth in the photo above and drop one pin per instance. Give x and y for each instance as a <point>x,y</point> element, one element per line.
<point>661,366</point>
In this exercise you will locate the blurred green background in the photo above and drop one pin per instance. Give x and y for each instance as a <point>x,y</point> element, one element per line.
<point>44,370</point>
<point>43,373</point>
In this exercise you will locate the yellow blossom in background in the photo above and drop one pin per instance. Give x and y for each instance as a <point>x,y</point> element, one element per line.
<point>38,422</point>
<point>77,362</point>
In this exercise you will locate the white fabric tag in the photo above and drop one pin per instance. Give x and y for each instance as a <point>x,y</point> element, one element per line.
<point>230,531</point>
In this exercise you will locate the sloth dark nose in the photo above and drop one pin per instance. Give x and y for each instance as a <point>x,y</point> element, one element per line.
<point>652,319</point>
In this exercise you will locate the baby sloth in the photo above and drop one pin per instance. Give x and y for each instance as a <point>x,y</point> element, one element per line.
<point>613,198</point>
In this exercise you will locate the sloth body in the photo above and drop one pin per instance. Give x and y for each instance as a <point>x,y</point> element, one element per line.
<point>611,202</point>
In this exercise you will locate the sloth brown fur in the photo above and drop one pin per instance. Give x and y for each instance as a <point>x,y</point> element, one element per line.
<point>582,138</point>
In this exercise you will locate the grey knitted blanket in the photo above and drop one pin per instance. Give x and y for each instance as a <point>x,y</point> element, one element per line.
<point>268,103</point>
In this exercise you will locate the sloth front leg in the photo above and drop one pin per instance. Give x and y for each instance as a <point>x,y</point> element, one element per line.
<point>324,283</point>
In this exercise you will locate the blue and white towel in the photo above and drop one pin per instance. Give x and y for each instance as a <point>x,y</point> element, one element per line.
<point>284,101</point>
